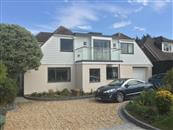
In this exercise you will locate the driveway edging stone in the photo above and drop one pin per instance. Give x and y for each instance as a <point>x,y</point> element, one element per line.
<point>58,99</point>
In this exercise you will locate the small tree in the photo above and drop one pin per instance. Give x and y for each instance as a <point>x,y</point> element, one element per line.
<point>169,80</point>
<point>3,73</point>
<point>19,51</point>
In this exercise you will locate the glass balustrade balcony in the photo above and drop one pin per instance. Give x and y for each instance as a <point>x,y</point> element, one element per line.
<point>97,54</point>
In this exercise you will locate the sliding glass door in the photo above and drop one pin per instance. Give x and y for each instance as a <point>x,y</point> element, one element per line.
<point>101,49</point>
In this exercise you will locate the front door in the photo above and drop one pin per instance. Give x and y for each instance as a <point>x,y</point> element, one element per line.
<point>101,50</point>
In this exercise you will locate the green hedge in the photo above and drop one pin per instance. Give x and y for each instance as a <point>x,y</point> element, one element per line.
<point>8,91</point>
<point>2,122</point>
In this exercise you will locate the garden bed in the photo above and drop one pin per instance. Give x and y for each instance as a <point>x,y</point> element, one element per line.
<point>59,95</point>
<point>145,109</point>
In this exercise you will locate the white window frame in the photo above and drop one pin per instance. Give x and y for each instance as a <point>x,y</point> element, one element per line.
<point>170,47</point>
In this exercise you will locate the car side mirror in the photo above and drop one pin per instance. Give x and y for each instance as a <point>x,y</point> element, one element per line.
<point>126,85</point>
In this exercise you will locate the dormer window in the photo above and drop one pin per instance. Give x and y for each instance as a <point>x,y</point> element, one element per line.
<point>66,45</point>
<point>167,47</point>
<point>127,48</point>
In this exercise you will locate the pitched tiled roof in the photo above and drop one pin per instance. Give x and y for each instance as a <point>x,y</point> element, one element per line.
<point>90,34</point>
<point>43,36</point>
<point>63,30</point>
<point>121,36</point>
<point>151,46</point>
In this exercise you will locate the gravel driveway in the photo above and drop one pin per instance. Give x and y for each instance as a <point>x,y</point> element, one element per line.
<point>58,115</point>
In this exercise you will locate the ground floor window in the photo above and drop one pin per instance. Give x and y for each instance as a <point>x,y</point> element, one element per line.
<point>59,74</point>
<point>112,73</point>
<point>94,75</point>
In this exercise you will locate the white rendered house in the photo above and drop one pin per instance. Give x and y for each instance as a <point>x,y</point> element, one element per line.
<point>85,61</point>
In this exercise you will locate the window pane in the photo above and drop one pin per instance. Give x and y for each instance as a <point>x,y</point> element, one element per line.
<point>66,45</point>
<point>59,75</point>
<point>112,72</point>
<point>124,48</point>
<point>130,48</point>
<point>133,82</point>
<point>94,75</point>
<point>62,74</point>
<point>51,75</point>
<point>127,48</point>
<point>167,47</point>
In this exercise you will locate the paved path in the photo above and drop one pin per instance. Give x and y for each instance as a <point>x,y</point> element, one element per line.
<point>21,100</point>
<point>125,126</point>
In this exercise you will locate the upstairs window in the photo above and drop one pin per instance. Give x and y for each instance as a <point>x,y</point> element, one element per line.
<point>66,45</point>
<point>127,48</point>
<point>59,75</point>
<point>112,73</point>
<point>167,47</point>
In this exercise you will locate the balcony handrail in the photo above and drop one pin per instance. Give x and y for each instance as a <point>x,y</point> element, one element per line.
<point>97,48</point>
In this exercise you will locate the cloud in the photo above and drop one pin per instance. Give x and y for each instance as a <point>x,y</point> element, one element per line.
<point>76,16</point>
<point>121,24</point>
<point>158,5</point>
<point>44,27</point>
<point>33,31</point>
<point>155,4</point>
<point>82,14</point>
<point>143,2</point>
<point>84,27</point>
<point>138,9</point>
<point>140,29</point>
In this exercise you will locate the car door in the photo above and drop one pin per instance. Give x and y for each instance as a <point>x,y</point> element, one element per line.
<point>133,87</point>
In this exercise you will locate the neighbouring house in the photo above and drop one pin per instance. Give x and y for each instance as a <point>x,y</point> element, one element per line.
<point>160,52</point>
<point>85,61</point>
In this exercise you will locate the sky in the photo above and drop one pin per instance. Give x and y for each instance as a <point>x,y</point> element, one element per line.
<point>131,17</point>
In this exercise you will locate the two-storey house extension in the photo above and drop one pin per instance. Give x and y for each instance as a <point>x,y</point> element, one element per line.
<point>160,52</point>
<point>85,61</point>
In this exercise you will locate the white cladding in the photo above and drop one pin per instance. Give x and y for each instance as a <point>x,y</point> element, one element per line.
<point>53,55</point>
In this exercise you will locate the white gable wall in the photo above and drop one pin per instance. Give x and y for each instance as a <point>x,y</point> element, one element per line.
<point>138,58</point>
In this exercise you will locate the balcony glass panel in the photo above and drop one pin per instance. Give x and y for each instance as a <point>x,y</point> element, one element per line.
<point>96,53</point>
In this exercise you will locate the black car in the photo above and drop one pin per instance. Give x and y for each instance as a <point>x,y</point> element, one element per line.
<point>120,89</point>
<point>157,80</point>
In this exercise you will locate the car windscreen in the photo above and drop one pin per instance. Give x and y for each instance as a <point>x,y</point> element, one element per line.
<point>117,82</point>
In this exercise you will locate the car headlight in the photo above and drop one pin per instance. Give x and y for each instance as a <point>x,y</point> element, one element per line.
<point>109,91</point>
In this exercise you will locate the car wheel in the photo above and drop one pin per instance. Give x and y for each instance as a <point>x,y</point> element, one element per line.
<point>120,97</point>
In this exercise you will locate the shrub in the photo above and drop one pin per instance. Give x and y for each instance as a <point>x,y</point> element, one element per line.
<point>57,92</point>
<point>164,100</point>
<point>168,79</point>
<point>8,91</point>
<point>65,92</point>
<point>3,73</point>
<point>51,92</point>
<point>146,98</point>
<point>76,92</point>
<point>145,112</point>
<point>34,94</point>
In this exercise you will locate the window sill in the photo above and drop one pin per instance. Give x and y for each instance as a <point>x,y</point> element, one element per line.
<point>128,53</point>
<point>95,82</point>
<point>59,82</point>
